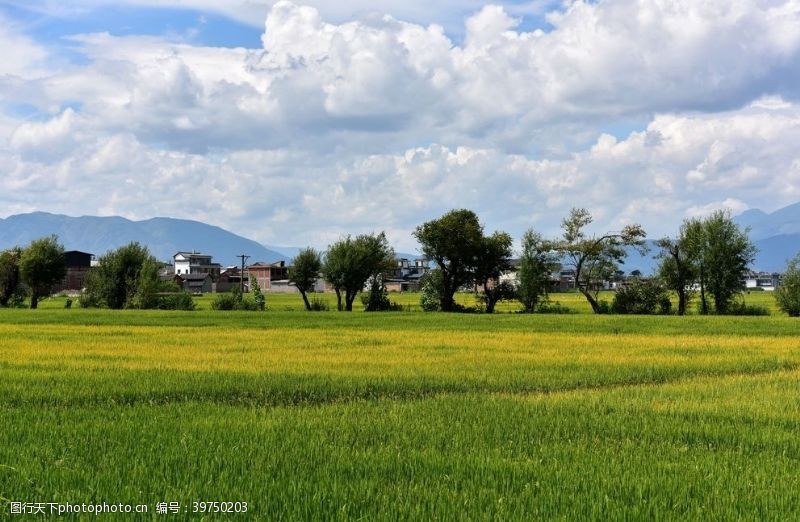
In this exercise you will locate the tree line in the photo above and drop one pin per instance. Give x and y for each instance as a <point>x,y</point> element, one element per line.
<point>123,278</point>
<point>704,261</point>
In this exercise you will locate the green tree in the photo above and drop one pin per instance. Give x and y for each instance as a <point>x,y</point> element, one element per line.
<point>722,252</point>
<point>493,259</point>
<point>430,290</point>
<point>453,242</point>
<point>377,298</point>
<point>334,267</point>
<point>641,296</point>
<point>235,300</point>
<point>116,280</point>
<point>305,271</point>
<point>533,273</point>
<point>148,286</point>
<point>695,245</point>
<point>787,295</point>
<point>351,262</point>
<point>594,258</point>
<point>258,296</point>
<point>678,269</point>
<point>41,266</point>
<point>11,289</point>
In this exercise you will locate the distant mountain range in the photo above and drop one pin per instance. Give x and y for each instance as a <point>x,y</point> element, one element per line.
<point>163,236</point>
<point>776,235</point>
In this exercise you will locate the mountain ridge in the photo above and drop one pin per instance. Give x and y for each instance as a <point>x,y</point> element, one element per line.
<point>164,236</point>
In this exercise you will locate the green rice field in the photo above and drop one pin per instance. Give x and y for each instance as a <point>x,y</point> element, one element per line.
<point>403,415</point>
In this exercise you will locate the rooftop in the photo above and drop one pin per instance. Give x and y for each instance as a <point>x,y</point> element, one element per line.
<point>193,277</point>
<point>191,254</point>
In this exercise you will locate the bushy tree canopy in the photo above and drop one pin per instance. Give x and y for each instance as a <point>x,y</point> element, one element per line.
<point>678,269</point>
<point>493,259</point>
<point>351,262</point>
<point>11,288</point>
<point>41,266</point>
<point>727,255</point>
<point>721,252</point>
<point>304,272</point>
<point>533,273</point>
<point>642,296</point>
<point>594,258</point>
<point>453,242</point>
<point>787,294</point>
<point>128,278</point>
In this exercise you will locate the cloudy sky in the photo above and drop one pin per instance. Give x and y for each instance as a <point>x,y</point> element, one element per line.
<point>294,123</point>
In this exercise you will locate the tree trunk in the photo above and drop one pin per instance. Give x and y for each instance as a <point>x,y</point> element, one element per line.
<point>305,300</point>
<point>680,269</point>
<point>34,300</point>
<point>585,291</point>
<point>338,299</point>
<point>490,299</point>
<point>682,301</point>
<point>446,302</point>
<point>720,305</point>
<point>446,298</point>
<point>592,301</point>
<point>703,302</point>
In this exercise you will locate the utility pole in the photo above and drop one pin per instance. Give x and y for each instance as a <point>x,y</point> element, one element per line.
<point>241,274</point>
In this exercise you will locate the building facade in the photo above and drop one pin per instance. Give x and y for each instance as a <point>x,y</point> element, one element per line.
<point>195,263</point>
<point>261,272</point>
<point>195,283</point>
<point>767,281</point>
<point>407,275</point>
<point>78,266</point>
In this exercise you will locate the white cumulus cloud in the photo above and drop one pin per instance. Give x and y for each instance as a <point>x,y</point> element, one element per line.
<point>344,127</point>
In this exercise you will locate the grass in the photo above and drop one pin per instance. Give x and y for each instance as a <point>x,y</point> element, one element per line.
<point>403,415</point>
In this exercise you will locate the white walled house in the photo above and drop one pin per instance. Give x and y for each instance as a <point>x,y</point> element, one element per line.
<point>767,281</point>
<point>187,263</point>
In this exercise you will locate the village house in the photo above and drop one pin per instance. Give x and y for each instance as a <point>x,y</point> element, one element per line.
<point>167,275</point>
<point>229,278</point>
<point>195,263</point>
<point>274,277</point>
<point>262,273</point>
<point>193,272</point>
<point>560,280</point>
<point>78,266</point>
<point>279,271</point>
<point>766,281</point>
<point>407,276</point>
<point>195,283</point>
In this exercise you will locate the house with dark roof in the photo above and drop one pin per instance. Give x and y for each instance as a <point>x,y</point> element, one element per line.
<point>195,283</point>
<point>407,275</point>
<point>193,263</point>
<point>229,278</point>
<point>78,266</point>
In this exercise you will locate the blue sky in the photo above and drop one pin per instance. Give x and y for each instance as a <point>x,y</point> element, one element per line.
<point>191,25</point>
<point>300,121</point>
<point>204,27</point>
